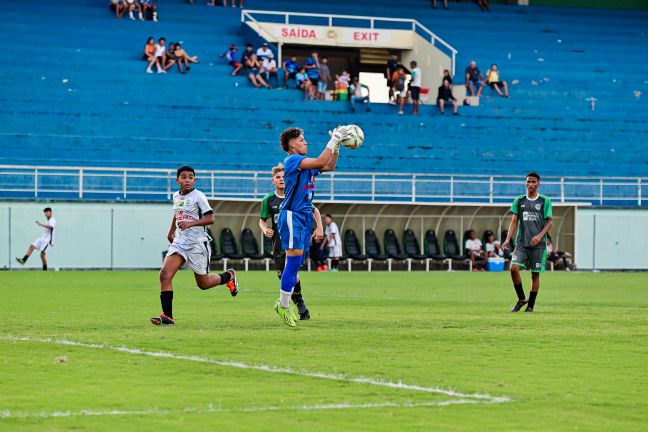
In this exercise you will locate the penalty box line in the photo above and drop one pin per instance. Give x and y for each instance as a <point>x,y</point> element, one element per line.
<point>477,397</point>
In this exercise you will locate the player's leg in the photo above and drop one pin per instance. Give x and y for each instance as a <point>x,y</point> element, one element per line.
<point>535,286</point>
<point>538,260</point>
<point>518,261</point>
<point>206,281</point>
<point>44,260</point>
<point>172,263</point>
<point>23,260</point>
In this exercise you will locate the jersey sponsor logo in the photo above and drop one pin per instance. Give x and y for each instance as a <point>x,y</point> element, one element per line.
<point>522,206</point>
<point>182,203</point>
<point>529,217</point>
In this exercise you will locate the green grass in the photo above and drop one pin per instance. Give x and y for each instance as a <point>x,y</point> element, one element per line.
<point>578,363</point>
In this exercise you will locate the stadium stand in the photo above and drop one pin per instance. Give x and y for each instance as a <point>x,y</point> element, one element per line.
<point>84,99</point>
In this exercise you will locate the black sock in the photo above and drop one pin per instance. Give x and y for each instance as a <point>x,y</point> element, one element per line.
<point>166,298</point>
<point>297,289</point>
<point>44,267</point>
<point>520,291</point>
<point>25,258</point>
<point>334,263</point>
<point>225,277</point>
<point>532,297</point>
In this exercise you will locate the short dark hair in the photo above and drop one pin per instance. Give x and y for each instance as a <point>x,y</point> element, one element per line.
<point>185,168</point>
<point>162,39</point>
<point>534,174</point>
<point>328,215</point>
<point>413,63</point>
<point>249,45</point>
<point>289,134</point>
<point>47,209</point>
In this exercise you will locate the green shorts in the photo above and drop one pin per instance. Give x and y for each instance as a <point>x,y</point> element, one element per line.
<point>530,258</point>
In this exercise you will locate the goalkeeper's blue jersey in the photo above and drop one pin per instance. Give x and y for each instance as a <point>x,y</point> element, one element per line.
<point>300,185</point>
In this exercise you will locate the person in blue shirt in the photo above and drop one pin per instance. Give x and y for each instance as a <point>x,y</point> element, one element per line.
<point>295,221</point>
<point>312,68</point>
<point>291,67</point>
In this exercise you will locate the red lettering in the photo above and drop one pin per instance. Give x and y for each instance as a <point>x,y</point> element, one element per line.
<point>366,36</point>
<point>298,33</point>
<point>284,32</point>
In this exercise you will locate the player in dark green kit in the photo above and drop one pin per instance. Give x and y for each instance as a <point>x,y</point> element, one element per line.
<point>532,220</point>
<point>270,209</point>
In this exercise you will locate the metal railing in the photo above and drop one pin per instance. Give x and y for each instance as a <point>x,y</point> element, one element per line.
<point>147,184</point>
<point>369,22</point>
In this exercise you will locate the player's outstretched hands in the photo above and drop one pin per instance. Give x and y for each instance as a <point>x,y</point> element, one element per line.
<point>337,135</point>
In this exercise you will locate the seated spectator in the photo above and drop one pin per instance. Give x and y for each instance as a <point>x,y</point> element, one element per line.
<point>249,50</point>
<point>159,54</point>
<point>230,55</point>
<point>325,78</point>
<point>357,96</point>
<point>483,5</point>
<point>399,89</point>
<point>264,52</point>
<point>134,5</point>
<point>554,255</point>
<point>303,82</point>
<point>447,76</point>
<point>149,49</point>
<point>493,248</point>
<point>474,78</point>
<point>474,249</point>
<point>183,57</point>
<point>172,59</point>
<point>445,4</point>
<point>291,67</point>
<point>445,97</point>
<point>147,5</point>
<point>253,65</point>
<point>119,6</point>
<point>494,81</point>
<point>269,71</point>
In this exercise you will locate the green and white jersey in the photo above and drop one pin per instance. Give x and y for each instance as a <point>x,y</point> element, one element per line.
<point>270,209</point>
<point>532,217</point>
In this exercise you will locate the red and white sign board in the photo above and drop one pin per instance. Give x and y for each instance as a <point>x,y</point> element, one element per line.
<point>294,32</point>
<point>364,37</point>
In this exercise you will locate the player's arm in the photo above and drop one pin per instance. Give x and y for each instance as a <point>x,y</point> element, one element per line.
<point>538,238</point>
<point>512,228</point>
<point>327,160</point>
<point>319,229</point>
<point>49,227</point>
<point>268,232</point>
<point>265,213</point>
<point>172,229</point>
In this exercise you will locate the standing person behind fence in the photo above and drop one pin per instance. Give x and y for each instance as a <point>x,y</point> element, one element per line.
<point>333,241</point>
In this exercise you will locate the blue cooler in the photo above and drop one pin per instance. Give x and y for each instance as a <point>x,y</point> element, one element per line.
<point>495,264</point>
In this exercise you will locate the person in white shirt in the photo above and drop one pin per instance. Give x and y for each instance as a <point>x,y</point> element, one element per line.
<point>474,249</point>
<point>264,52</point>
<point>333,240</point>
<point>415,86</point>
<point>269,71</point>
<point>160,55</point>
<point>189,245</point>
<point>493,248</point>
<point>43,242</point>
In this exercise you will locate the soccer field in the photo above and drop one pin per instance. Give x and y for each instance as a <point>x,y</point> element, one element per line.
<point>383,352</point>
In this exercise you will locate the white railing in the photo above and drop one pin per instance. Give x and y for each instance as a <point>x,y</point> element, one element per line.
<point>363,21</point>
<point>147,184</point>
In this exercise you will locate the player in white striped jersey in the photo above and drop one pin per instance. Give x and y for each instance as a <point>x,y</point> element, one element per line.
<point>189,244</point>
<point>44,242</point>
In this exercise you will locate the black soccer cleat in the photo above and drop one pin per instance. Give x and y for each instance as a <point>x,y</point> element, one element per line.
<point>233,283</point>
<point>519,305</point>
<point>528,309</point>
<point>162,320</point>
<point>20,261</point>
<point>304,316</point>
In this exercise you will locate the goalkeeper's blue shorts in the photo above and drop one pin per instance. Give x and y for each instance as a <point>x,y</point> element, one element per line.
<point>295,229</point>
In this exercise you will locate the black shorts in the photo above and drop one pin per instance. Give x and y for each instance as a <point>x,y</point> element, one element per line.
<point>498,83</point>
<point>292,75</point>
<point>447,101</point>
<point>530,258</point>
<point>416,93</point>
<point>314,81</point>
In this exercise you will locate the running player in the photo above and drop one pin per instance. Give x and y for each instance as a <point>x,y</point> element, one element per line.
<point>295,221</point>
<point>189,244</point>
<point>532,220</point>
<point>270,209</point>
<point>43,242</point>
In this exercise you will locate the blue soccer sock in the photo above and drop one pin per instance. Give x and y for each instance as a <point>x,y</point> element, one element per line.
<point>288,279</point>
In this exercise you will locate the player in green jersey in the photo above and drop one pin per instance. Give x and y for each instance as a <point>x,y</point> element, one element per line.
<point>532,220</point>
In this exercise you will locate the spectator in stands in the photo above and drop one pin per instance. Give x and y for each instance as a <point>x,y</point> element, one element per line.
<point>474,249</point>
<point>264,52</point>
<point>357,95</point>
<point>342,83</point>
<point>149,49</point>
<point>230,55</point>
<point>324,78</point>
<point>415,86</point>
<point>392,67</point>
<point>447,76</point>
<point>172,59</point>
<point>445,4</point>
<point>233,5</point>
<point>554,255</point>
<point>316,254</point>
<point>304,83</point>
<point>269,71</point>
<point>493,247</point>
<point>119,6</point>
<point>132,5</point>
<point>253,66</point>
<point>474,78</point>
<point>147,5</point>
<point>445,97</point>
<point>399,88</point>
<point>160,56</point>
<point>333,241</point>
<point>291,67</point>
<point>483,4</point>
<point>184,57</point>
<point>312,70</point>
<point>494,81</point>
<point>249,50</point>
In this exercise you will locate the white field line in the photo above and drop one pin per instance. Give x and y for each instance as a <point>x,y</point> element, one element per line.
<point>7,414</point>
<point>482,397</point>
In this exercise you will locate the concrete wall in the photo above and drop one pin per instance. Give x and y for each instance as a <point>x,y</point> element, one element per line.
<point>611,239</point>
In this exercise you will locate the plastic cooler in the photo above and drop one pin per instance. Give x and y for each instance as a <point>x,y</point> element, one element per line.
<point>495,264</point>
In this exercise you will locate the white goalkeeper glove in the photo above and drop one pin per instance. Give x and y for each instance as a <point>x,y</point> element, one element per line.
<point>337,135</point>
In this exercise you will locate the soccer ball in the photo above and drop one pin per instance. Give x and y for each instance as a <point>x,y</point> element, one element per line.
<point>355,139</point>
